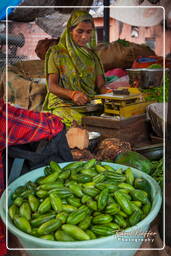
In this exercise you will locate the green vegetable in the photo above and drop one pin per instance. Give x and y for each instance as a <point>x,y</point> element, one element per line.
<point>123,42</point>
<point>75,232</point>
<point>102,230</point>
<point>25,211</point>
<point>156,94</point>
<point>135,218</point>
<point>41,193</point>
<point>50,178</point>
<point>129,176</point>
<point>74,201</point>
<point>42,219</point>
<point>49,226</point>
<point>92,205</point>
<point>140,195</point>
<point>56,202</point>
<point>143,184</point>
<point>90,234</point>
<point>50,186</point>
<point>112,209</point>
<point>134,159</point>
<point>91,191</point>
<point>66,209</point>
<point>89,164</point>
<point>155,66</point>
<point>55,167</point>
<point>77,216</point>
<point>62,216</point>
<point>102,219</point>
<point>123,202</point>
<point>103,198</point>
<point>45,206</point>
<point>13,210</point>
<point>48,237</point>
<point>85,223</point>
<point>120,221</point>
<point>18,201</point>
<point>76,190</point>
<point>33,202</point>
<point>157,172</point>
<point>63,236</point>
<point>22,223</point>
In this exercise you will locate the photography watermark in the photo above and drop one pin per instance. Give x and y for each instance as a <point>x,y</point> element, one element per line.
<point>135,236</point>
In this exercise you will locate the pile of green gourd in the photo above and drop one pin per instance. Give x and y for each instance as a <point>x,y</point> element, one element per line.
<point>82,201</point>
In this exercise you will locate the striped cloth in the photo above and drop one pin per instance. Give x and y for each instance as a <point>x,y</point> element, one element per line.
<point>24,126</point>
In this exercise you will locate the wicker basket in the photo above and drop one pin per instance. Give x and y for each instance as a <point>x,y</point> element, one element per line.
<point>157,116</point>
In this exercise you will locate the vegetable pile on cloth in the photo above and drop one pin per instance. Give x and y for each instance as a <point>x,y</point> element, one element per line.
<point>109,148</point>
<point>83,154</point>
<point>23,127</point>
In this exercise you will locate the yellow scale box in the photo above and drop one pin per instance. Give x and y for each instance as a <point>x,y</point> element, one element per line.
<point>124,106</point>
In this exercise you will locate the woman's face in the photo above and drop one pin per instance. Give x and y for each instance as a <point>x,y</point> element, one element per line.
<point>81,34</point>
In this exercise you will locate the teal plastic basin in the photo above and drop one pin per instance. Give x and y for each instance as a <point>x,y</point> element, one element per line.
<point>125,244</point>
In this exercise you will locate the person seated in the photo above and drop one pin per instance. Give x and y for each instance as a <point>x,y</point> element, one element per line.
<point>25,126</point>
<point>73,70</point>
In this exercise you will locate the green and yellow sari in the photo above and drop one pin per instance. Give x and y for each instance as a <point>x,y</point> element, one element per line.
<point>77,68</point>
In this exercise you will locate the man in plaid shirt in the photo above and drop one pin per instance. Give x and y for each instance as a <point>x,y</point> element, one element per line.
<point>23,126</point>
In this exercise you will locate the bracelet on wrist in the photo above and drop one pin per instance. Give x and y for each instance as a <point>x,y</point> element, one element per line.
<point>73,94</point>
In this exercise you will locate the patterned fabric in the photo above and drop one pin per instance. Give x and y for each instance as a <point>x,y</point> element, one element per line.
<point>23,127</point>
<point>77,68</point>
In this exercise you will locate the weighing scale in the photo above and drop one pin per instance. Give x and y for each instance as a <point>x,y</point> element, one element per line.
<point>124,106</point>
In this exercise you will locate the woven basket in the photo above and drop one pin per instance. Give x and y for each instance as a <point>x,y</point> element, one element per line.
<point>156,114</point>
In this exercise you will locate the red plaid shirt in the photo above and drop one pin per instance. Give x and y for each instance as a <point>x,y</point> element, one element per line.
<point>24,126</point>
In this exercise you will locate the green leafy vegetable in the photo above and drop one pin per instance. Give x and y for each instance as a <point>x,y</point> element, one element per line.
<point>157,171</point>
<point>157,93</point>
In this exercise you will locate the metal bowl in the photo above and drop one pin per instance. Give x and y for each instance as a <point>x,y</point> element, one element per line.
<point>146,77</point>
<point>152,152</point>
<point>88,108</point>
<point>94,138</point>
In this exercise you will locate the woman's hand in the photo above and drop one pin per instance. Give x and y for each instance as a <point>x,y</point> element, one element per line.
<point>79,98</point>
<point>105,90</point>
<point>100,83</point>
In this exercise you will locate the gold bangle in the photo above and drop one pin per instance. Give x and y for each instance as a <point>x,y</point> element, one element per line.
<point>73,94</point>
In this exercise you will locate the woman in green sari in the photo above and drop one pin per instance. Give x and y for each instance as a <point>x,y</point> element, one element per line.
<point>73,70</point>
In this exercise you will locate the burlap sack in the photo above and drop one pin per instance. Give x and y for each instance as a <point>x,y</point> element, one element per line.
<point>117,55</point>
<point>30,68</point>
<point>43,45</point>
<point>21,88</point>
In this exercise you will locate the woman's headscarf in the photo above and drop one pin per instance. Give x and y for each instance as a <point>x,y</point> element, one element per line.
<point>76,65</point>
<point>77,17</point>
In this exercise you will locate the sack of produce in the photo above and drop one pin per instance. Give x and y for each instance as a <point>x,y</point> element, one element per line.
<point>135,160</point>
<point>83,154</point>
<point>121,53</point>
<point>109,148</point>
<point>22,90</point>
<point>43,45</point>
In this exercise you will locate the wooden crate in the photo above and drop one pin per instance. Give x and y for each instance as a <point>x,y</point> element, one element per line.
<point>134,129</point>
